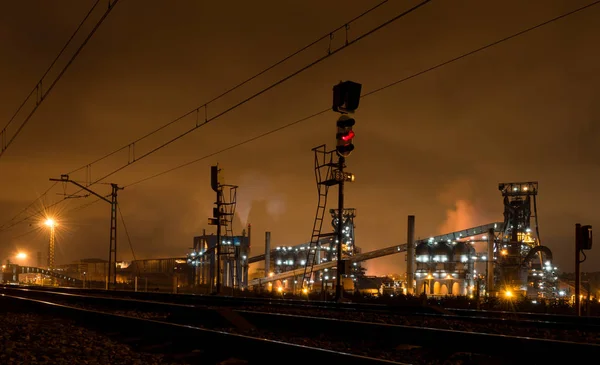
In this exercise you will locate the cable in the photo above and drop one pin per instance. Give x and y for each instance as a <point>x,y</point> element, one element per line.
<point>33,215</point>
<point>51,65</point>
<point>83,206</point>
<point>488,45</point>
<point>228,148</point>
<point>365,95</point>
<point>128,239</point>
<point>29,206</point>
<point>38,88</point>
<point>439,65</point>
<point>247,99</point>
<point>244,101</point>
<point>33,230</point>
<point>206,104</point>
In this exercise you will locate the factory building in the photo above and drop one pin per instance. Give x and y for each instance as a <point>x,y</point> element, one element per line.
<point>444,268</point>
<point>233,265</point>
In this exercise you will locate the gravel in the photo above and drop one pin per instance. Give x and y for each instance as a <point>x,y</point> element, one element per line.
<point>86,347</point>
<point>524,329</point>
<point>37,339</point>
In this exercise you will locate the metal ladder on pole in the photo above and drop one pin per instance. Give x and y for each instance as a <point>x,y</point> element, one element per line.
<point>324,166</point>
<point>231,252</point>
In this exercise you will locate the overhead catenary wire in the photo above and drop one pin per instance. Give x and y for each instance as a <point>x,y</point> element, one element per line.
<point>4,144</point>
<point>38,91</point>
<point>128,239</point>
<point>437,66</point>
<point>88,165</point>
<point>253,96</point>
<point>41,196</point>
<point>35,88</point>
<point>237,86</point>
<point>33,215</point>
<point>370,93</point>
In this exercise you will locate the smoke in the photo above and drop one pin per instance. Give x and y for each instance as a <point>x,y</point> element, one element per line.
<point>463,215</point>
<point>255,187</point>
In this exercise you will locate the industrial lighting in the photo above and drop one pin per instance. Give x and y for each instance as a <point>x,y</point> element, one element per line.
<point>21,255</point>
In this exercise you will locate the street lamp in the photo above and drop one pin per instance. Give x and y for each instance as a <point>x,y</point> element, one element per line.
<point>52,224</point>
<point>21,256</point>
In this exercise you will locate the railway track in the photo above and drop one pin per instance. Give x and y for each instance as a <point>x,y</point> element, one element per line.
<point>514,319</point>
<point>177,341</point>
<point>412,344</point>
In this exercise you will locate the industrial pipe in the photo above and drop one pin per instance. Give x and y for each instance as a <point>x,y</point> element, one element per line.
<point>410,255</point>
<point>267,253</point>
<point>490,262</point>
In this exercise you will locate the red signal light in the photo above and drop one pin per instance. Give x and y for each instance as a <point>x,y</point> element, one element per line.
<point>348,136</point>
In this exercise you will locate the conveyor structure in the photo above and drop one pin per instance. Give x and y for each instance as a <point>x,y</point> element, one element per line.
<point>466,234</point>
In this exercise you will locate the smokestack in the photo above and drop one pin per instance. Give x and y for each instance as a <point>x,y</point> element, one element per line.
<point>249,238</point>
<point>410,255</point>
<point>490,262</point>
<point>267,253</point>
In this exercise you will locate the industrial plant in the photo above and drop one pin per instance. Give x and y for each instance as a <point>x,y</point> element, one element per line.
<point>500,258</point>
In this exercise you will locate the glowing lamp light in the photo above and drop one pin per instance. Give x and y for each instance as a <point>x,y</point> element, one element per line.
<point>348,136</point>
<point>305,291</point>
<point>280,289</point>
<point>508,294</point>
<point>21,255</point>
<point>50,222</point>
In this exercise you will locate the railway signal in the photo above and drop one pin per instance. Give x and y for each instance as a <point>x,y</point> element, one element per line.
<point>346,97</point>
<point>583,241</point>
<point>345,136</point>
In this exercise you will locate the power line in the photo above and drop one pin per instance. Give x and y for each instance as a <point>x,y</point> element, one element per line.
<point>206,104</point>
<point>38,92</point>
<point>83,206</point>
<point>36,213</point>
<point>207,120</point>
<point>502,40</point>
<point>33,230</point>
<point>330,53</point>
<point>29,206</point>
<point>373,92</point>
<point>228,148</point>
<point>129,240</point>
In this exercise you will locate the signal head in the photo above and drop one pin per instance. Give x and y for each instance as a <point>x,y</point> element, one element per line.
<point>346,97</point>
<point>345,135</point>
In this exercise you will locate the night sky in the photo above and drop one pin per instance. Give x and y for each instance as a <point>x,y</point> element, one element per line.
<point>435,146</point>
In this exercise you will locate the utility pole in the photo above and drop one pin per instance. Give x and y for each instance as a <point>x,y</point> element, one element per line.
<point>112,251</point>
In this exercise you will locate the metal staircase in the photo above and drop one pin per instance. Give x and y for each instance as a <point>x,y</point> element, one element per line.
<point>324,167</point>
